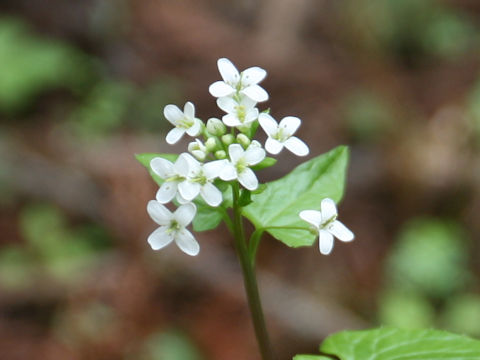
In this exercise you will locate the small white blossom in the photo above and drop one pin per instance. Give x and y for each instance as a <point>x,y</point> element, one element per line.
<point>173,174</point>
<point>199,180</point>
<point>173,227</point>
<point>238,113</point>
<point>245,83</point>
<point>239,165</point>
<point>325,221</point>
<point>184,122</point>
<point>280,135</point>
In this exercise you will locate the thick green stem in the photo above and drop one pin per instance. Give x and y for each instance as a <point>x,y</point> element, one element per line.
<point>249,279</point>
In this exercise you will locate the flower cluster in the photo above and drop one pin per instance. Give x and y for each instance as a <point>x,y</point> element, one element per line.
<point>223,150</point>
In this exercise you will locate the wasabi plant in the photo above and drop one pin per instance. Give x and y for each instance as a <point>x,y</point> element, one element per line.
<point>215,181</point>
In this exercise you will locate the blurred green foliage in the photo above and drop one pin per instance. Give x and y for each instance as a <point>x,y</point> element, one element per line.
<point>462,314</point>
<point>171,345</point>
<point>406,310</point>
<point>430,257</point>
<point>428,278</point>
<point>112,104</point>
<point>367,115</point>
<point>410,29</point>
<point>52,246</point>
<point>32,64</point>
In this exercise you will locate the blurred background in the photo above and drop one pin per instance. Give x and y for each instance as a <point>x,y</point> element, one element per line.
<point>82,89</point>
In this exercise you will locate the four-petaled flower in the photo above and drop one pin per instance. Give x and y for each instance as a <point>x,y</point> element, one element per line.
<point>239,113</point>
<point>238,166</point>
<point>172,227</point>
<point>173,174</point>
<point>199,180</point>
<point>280,135</point>
<point>327,225</point>
<point>184,122</point>
<point>245,82</point>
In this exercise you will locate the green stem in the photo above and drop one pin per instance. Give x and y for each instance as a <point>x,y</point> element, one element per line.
<point>249,278</point>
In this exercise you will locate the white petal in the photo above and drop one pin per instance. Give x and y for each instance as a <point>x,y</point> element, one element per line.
<point>159,213</point>
<point>189,110</point>
<point>325,242</point>
<point>236,152</point>
<point>182,165</point>
<point>162,167</point>
<point>228,172</point>
<point>256,93</point>
<point>227,104</point>
<point>167,192</point>
<point>340,231</point>
<point>313,217</point>
<point>212,169</point>
<point>160,238</point>
<point>185,214</point>
<point>251,116</point>
<point>228,71</point>
<point>328,209</point>
<point>253,75</point>
<point>211,194</point>
<point>247,102</point>
<point>174,135</point>
<point>181,200</point>
<point>231,120</point>
<point>268,124</point>
<point>187,243</point>
<point>173,114</point>
<point>189,190</point>
<point>188,166</point>
<point>220,89</point>
<point>290,124</point>
<point>254,155</point>
<point>296,146</point>
<point>248,179</point>
<point>273,146</point>
<point>196,128</point>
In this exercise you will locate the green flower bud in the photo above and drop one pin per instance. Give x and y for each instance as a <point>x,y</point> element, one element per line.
<point>211,144</point>
<point>220,154</point>
<point>228,139</point>
<point>243,140</point>
<point>216,127</point>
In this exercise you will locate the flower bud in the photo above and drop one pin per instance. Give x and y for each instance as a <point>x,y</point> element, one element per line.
<point>211,144</point>
<point>198,150</point>
<point>220,154</point>
<point>243,140</point>
<point>254,144</point>
<point>216,127</point>
<point>228,139</point>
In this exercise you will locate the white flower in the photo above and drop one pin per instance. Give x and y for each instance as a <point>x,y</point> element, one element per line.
<point>172,227</point>
<point>199,180</point>
<point>238,166</point>
<point>238,113</point>
<point>280,135</point>
<point>173,174</point>
<point>184,122</point>
<point>245,83</point>
<point>327,225</point>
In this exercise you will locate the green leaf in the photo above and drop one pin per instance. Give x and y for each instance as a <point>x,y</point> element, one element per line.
<point>400,344</point>
<point>265,163</point>
<point>145,159</point>
<point>245,197</point>
<point>304,188</point>
<point>207,217</point>
<point>310,357</point>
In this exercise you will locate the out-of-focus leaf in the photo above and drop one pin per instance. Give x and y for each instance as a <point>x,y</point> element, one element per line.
<point>16,268</point>
<point>406,310</point>
<point>171,345</point>
<point>462,314</point>
<point>430,257</point>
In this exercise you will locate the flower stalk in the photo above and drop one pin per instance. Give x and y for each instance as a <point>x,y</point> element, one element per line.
<point>249,278</point>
